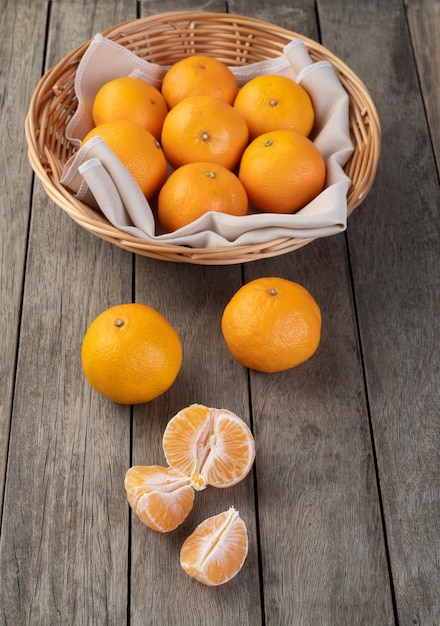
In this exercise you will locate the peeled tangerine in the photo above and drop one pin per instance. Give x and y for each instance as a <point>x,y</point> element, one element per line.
<point>212,446</point>
<point>160,496</point>
<point>215,552</point>
<point>203,446</point>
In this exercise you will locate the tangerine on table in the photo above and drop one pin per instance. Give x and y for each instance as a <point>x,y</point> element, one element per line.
<point>274,102</point>
<point>272,324</point>
<point>131,354</point>
<point>137,149</point>
<point>199,75</point>
<point>133,99</point>
<point>282,171</point>
<point>212,446</point>
<point>203,446</point>
<point>196,188</point>
<point>161,497</point>
<point>204,128</point>
<point>215,552</point>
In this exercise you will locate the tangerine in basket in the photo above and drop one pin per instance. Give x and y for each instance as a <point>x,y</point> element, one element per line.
<point>199,75</point>
<point>272,324</point>
<point>204,128</point>
<point>137,149</point>
<point>131,354</point>
<point>129,98</point>
<point>282,171</point>
<point>215,552</point>
<point>212,446</point>
<point>274,102</point>
<point>161,497</point>
<point>196,188</point>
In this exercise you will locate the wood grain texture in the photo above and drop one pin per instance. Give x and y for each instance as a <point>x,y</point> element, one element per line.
<point>21,66</point>
<point>393,242</point>
<point>194,302</point>
<point>323,550</point>
<point>64,542</point>
<point>424,24</point>
<point>343,503</point>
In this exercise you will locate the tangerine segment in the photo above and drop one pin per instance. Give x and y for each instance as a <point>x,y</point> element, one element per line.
<point>212,446</point>
<point>161,497</point>
<point>215,552</point>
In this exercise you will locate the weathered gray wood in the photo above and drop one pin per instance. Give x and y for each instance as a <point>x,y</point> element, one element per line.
<point>323,552</point>
<point>154,7</point>
<point>70,551</point>
<point>64,542</point>
<point>424,24</point>
<point>194,300</point>
<point>21,54</point>
<point>393,241</point>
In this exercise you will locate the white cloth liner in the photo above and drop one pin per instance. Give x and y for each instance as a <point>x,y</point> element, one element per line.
<point>98,178</point>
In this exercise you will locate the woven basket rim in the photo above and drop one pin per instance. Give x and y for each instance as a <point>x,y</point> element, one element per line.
<point>361,168</point>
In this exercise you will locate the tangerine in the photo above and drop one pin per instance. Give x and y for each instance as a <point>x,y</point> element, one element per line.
<point>282,171</point>
<point>129,98</point>
<point>131,354</point>
<point>211,446</point>
<point>161,497</point>
<point>216,550</point>
<point>199,75</point>
<point>196,188</point>
<point>272,324</point>
<point>274,102</point>
<point>137,149</point>
<point>204,128</point>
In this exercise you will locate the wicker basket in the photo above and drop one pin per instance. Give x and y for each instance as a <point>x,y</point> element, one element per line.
<point>164,39</point>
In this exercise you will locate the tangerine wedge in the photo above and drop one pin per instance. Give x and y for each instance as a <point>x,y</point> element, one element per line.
<point>216,550</point>
<point>211,446</point>
<point>161,497</point>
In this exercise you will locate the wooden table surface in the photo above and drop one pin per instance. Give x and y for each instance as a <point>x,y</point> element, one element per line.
<point>342,506</point>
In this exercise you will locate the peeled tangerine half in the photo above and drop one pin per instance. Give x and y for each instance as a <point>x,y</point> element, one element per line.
<point>161,497</point>
<point>211,446</point>
<point>215,552</point>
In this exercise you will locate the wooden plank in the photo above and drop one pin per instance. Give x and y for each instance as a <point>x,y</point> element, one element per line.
<point>193,298</point>
<point>64,542</point>
<point>153,7</point>
<point>424,24</point>
<point>322,544</point>
<point>21,67</point>
<point>393,240</point>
